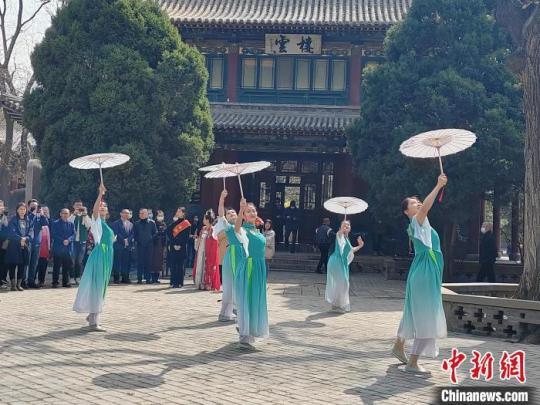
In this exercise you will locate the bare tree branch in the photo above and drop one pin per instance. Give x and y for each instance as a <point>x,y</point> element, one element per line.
<point>43,4</point>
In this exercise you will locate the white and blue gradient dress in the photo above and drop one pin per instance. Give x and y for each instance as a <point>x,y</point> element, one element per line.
<point>337,274</point>
<point>423,313</point>
<point>234,255</point>
<point>97,272</point>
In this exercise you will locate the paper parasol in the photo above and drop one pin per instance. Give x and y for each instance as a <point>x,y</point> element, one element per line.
<point>215,167</point>
<point>438,143</point>
<point>99,161</point>
<point>346,205</point>
<point>237,170</point>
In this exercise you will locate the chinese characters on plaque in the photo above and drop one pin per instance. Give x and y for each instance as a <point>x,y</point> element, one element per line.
<point>293,44</point>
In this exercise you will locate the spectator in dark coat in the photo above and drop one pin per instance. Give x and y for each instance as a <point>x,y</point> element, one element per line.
<point>63,235</point>
<point>144,232</point>
<point>292,222</point>
<point>18,249</point>
<point>488,254</point>
<point>3,244</point>
<point>123,246</point>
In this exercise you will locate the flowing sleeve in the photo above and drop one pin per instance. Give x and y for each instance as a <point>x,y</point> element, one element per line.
<point>221,225</point>
<point>350,256</point>
<point>96,229</point>
<point>243,239</point>
<point>422,232</point>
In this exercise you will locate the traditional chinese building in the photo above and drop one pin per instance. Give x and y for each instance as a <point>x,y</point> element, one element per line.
<point>284,83</point>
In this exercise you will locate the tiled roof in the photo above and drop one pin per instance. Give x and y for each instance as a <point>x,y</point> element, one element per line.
<point>290,13</point>
<point>283,118</point>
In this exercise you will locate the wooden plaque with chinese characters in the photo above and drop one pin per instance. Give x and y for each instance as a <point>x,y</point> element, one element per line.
<point>293,44</point>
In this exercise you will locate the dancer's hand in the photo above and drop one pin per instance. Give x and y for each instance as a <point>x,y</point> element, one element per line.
<point>243,203</point>
<point>442,180</point>
<point>360,242</point>
<point>223,195</point>
<point>102,189</point>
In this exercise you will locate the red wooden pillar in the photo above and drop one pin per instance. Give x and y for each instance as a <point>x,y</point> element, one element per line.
<point>355,75</point>
<point>232,73</point>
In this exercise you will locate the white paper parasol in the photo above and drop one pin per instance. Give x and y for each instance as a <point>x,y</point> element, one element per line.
<point>237,170</point>
<point>438,143</point>
<point>346,205</point>
<point>99,161</point>
<point>215,167</point>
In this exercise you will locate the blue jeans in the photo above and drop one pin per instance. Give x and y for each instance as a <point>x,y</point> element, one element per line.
<point>79,250</point>
<point>32,264</point>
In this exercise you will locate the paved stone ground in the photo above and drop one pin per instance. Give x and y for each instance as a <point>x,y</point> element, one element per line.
<point>165,346</point>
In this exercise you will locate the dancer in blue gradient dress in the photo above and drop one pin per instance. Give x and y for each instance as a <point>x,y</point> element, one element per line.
<point>234,255</point>
<point>250,282</point>
<point>423,314</point>
<point>337,275</point>
<point>97,272</point>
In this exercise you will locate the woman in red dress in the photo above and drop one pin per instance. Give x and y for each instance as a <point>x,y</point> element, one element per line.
<point>206,268</point>
<point>211,274</point>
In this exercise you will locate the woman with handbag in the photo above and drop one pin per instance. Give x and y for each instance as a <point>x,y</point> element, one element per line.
<point>17,253</point>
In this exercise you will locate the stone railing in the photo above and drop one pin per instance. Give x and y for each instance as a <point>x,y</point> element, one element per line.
<point>505,271</point>
<point>486,309</point>
<point>396,268</point>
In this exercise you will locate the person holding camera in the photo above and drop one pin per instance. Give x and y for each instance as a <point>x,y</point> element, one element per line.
<point>63,234</point>
<point>20,239</point>
<point>37,221</point>
<point>81,222</point>
<point>3,245</point>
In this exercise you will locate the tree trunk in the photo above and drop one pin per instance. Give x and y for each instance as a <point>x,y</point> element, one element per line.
<point>514,245</point>
<point>5,157</point>
<point>449,242</point>
<point>529,286</point>
<point>497,222</point>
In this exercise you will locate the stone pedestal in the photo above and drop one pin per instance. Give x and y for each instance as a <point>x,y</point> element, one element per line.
<point>33,179</point>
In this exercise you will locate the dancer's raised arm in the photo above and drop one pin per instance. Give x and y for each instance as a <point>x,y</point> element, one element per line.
<point>221,205</point>
<point>238,223</point>
<point>430,199</point>
<point>101,193</point>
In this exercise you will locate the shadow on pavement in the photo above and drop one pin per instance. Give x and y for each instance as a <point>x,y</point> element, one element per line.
<point>132,337</point>
<point>386,387</point>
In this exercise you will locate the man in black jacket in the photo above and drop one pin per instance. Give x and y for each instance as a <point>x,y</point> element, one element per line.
<point>488,253</point>
<point>123,246</point>
<point>145,231</point>
<point>323,243</point>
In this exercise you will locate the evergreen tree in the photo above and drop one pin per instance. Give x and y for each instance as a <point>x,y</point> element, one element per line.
<point>113,75</point>
<point>444,68</point>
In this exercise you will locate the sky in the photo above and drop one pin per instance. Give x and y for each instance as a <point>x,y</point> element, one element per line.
<point>32,34</point>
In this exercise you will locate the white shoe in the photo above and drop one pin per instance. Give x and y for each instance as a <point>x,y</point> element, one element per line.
<point>400,355</point>
<point>416,370</point>
<point>97,328</point>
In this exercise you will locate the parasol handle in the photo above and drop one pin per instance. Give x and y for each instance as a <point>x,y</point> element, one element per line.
<point>440,160</point>
<point>223,163</point>
<point>241,189</point>
<point>442,172</point>
<point>101,174</point>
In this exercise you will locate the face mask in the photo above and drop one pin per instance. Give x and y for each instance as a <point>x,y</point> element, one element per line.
<point>175,219</point>
<point>150,216</point>
<point>160,218</point>
<point>483,230</point>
